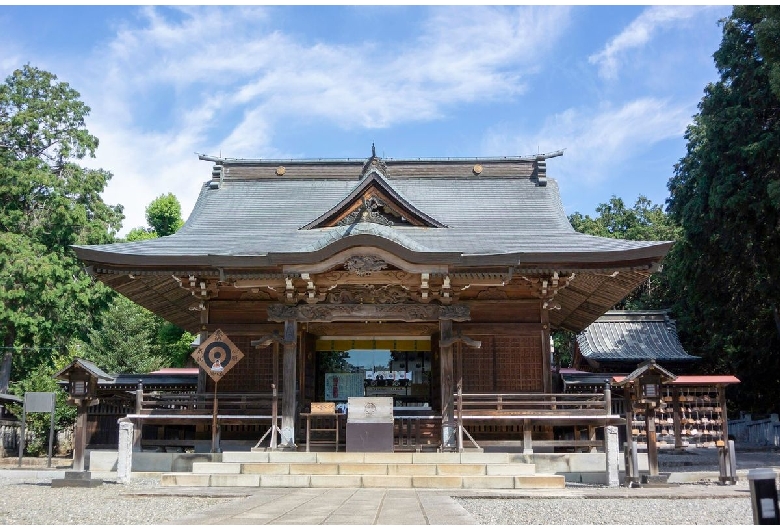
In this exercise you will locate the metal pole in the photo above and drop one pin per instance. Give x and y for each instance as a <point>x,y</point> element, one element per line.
<point>51,427</point>
<point>21,438</point>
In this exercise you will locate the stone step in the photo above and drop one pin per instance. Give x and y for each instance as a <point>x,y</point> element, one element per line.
<point>367,458</point>
<point>307,468</point>
<point>364,481</point>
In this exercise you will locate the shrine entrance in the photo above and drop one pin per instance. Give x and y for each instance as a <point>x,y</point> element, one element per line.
<point>397,367</point>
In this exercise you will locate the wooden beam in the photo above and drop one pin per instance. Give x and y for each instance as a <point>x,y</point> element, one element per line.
<point>497,328</point>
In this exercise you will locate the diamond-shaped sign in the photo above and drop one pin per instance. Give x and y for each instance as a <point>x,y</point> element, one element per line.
<point>217,355</point>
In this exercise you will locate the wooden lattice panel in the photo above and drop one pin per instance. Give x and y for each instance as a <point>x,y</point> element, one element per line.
<point>478,366</point>
<point>520,359</point>
<point>255,371</point>
<point>504,364</point>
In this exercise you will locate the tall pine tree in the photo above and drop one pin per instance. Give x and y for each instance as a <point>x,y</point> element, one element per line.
<point>725,194</point>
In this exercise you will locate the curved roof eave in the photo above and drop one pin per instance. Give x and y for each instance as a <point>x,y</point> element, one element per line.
<point>642,257</point>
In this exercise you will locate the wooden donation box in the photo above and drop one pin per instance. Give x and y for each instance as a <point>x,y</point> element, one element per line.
<point>370,424</point>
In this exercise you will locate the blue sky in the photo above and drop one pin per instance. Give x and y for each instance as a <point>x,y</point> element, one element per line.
<point>615,86</point>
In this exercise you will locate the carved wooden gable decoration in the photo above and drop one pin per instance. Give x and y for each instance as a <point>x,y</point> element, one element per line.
<point>374,201</point>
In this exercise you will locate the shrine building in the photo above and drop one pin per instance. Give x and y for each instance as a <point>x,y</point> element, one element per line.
<point>403,278</point>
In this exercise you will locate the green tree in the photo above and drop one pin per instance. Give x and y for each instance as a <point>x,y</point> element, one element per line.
<point>645,221</point>
<point>47,203</point>
<point>125,339</point>
<point>725,194</point>
<point>164,215</point>
<point>41,379</point>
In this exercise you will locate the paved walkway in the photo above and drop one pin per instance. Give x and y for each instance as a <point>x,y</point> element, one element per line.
<point>337,506</point>
<point>349,506</point>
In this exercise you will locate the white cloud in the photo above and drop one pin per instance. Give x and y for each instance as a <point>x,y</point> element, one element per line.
<point>231,77</point>
<point>598,141</point>
<point>637,34</point>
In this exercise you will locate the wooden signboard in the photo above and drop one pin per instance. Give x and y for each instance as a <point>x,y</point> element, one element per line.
<point>217,355</point>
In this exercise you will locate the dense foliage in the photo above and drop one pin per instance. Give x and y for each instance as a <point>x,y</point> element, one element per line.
<point>644,221</point>
<point>725,194</point>
<point>50,309</point>
<point>47,203</point>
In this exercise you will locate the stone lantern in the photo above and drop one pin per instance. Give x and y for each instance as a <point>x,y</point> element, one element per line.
<point>82,377</point>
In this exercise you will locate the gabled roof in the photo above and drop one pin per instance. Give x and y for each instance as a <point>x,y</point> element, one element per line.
<point>83,365</point>
<point>286,217</point>
<point>373,198</point>
<point>632,337</point>
<point>645,368</point>
<point>262,213</point>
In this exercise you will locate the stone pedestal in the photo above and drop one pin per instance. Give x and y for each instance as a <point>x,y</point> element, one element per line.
<point>76,479</point>
<point>613,454</point>
<point>124,464</point>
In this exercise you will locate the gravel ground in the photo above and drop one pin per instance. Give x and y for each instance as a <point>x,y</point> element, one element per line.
<point>34,501</point>
<point>610,511</point>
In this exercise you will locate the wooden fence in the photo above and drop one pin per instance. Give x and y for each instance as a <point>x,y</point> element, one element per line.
<point>762,432</point>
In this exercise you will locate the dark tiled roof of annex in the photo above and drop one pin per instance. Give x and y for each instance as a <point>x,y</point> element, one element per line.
<point>632,336</point>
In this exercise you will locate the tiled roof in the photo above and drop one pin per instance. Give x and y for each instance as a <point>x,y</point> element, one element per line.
<point>632,336</point>
<point>86,365</point>
<point>505,212</point>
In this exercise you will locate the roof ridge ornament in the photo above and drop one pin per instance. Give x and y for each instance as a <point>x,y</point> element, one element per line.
<point>373,164</point>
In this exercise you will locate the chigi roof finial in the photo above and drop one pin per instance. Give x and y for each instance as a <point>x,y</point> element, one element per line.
<point>373,150</point>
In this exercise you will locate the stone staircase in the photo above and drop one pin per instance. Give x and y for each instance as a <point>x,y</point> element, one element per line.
<point>366,470</point>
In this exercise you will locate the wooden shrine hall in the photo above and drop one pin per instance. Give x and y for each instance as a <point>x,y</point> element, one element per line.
<point>434,283</point>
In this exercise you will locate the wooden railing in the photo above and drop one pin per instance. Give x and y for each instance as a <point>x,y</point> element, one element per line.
<point>227,403</point>
<point>244,409</point>
<point>487,406</point>
<point>528,409</point>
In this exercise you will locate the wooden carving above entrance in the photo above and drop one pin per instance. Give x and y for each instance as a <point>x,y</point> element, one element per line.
<point>369,294</point>
<point>367,312</point>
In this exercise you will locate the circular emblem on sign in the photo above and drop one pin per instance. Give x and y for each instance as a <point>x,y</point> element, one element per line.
<point>281,170</point>
<point>477,169</point>
<point>369,409</point>
<point>217,356</point>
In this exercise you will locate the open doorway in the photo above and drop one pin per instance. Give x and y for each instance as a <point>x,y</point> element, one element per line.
<point>349,368</point>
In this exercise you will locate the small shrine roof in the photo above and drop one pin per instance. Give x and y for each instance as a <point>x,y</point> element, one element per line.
<point>632,336</point>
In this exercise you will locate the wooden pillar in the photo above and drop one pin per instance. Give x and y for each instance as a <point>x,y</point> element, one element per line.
<point>204,335</point>
<point>724,418</point>
<point>652,446</point>
<point>546,364</point>
<point>80,435</point>
<point>447,384</point>
<point>139,426</point>
<point>629,411</point>
<point>290,375</point>
<point>677,418</point>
